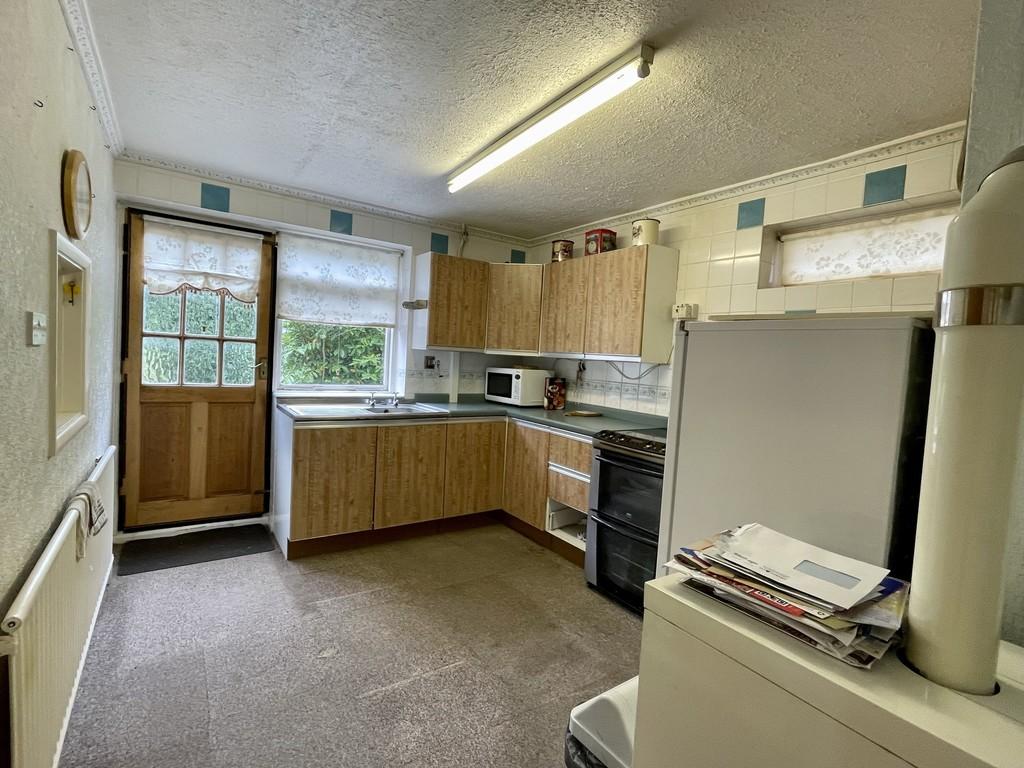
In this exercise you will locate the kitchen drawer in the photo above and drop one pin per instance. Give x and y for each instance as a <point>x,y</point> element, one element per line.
<point>568,490</point>
<point>570,453</point>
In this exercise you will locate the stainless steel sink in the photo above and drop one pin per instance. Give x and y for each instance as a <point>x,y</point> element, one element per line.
<point>345,411</point>
<point>405,409</point>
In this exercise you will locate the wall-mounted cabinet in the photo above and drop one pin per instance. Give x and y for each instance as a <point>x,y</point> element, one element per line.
<point>564,306</point>
<point>629,303</point>
<point>456,293</point>
<point>513,307</point>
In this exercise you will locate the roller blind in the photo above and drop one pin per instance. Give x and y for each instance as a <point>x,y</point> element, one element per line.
<point>896,245</point>
<point>323,280</point>
<point>200,257</point>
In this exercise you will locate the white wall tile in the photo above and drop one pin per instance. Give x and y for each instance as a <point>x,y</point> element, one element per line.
<point>718,300</point>
<point>154,183</point>
<point>837,295</point>
<point>126,178</point>
<point>627,399</point>
<point>270,207</point>
<point>844,192</point>
<point>186,191</point>
<point>889,162</point>
<point>746,270</point>
<point>318,216</point>
<point>294,211</point>
<point>698,249</point>
<point>809,201</point>
<point>744,298</point>
<point>915,290</point>
<point>664,374</point>
<point>720,273</point>
<point>696,275</point>
<point>748,241</point>
<point>873,292</point>
<point>801,297</point>
<point>771,300</point>
<point>778,206</point>
<point>698,296</point>
<point>723,218</point>
<point>244,201</point>
<point>362,225</point>
<point>723,246</point>
<point>929,174</point>
<point>701,221</point>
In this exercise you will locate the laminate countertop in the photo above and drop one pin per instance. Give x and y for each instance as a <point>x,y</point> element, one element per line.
<point>610,418</point>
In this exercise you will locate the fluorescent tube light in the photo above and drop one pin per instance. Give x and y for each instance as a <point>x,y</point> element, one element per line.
<point>609,82</point>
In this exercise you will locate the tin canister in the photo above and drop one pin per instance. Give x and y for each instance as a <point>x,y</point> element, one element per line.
<point>561,250</point>
<point>600,240</point>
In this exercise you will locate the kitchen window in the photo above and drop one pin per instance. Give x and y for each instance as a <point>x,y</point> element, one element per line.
<point>910,243</point>
<point>337,309</point>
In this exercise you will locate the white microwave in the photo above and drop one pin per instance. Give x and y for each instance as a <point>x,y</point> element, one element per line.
<point>516,386</point>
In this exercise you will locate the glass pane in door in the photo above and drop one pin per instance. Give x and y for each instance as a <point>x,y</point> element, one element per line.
<point>160,360</point>
<point>200,362</point>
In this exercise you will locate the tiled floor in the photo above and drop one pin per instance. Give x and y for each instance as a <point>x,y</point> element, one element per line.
<point>462,650</point>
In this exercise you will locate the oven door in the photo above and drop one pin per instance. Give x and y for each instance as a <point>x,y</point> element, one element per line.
<point>619,560</point>
<point>627,490</point>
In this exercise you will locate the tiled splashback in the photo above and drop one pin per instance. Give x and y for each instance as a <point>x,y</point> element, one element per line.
<point>602,384</point>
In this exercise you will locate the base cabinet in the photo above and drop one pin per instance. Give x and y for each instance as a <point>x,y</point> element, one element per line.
<point>410,474</point>
<point>333,474</point>
<point>474,467</point>
<point>526,474</point>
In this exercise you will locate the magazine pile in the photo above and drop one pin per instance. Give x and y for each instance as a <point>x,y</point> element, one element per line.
<point>846,608</point>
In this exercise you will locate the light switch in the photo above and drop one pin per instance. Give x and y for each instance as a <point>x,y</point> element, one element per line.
<point>36,329</point>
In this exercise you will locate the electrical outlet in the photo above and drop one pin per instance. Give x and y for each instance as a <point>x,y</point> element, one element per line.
<point>36,329</point>
<point>429,362</point>
<point>685,311</point>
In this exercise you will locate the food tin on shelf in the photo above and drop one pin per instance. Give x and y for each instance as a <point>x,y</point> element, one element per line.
<point>600,240</point>
<point>561,250</point>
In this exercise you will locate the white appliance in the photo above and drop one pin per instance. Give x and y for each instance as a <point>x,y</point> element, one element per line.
<point>812,426</point>
<point>516,386</point>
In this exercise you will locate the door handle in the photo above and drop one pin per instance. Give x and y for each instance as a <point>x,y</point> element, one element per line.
<point>261,366</point>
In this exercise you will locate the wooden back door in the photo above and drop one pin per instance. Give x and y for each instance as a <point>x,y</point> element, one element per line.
<point>196,396</point>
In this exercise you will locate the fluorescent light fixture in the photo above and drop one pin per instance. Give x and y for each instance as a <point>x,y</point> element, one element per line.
<point>610,81</point>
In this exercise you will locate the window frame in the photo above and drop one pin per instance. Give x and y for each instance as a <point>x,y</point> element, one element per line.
<point>181,337</point>
<point>324,389</point>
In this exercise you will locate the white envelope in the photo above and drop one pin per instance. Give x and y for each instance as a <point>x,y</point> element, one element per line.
<point>841,581</point>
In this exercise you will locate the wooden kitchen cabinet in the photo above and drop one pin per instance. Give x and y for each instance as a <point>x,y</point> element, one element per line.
<point>410,474</point>
<point>563,306</point>
<point>332,480</point>
<point>474,467</point>
<point>571,452</point>
<point>526,473</point>
<point>513,306</point>
<point>629,305</point>
<point>456,294</point>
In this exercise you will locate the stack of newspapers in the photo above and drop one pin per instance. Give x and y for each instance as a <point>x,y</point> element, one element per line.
<point>846,608</point>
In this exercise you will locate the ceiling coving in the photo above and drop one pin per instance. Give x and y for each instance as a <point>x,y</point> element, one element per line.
<point>378,102</point>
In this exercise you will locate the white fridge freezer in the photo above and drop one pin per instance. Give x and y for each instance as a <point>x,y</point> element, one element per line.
<point>812,426</point>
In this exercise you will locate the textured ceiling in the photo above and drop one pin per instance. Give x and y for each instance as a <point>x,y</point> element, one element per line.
<point>378,101</point>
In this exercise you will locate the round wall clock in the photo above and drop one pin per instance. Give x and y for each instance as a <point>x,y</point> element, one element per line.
<point>76,194</point>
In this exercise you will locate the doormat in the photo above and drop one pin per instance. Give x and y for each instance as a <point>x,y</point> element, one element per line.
<point>142,555</point>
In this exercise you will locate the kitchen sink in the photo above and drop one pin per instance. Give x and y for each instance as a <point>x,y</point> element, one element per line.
<point>336,411</point>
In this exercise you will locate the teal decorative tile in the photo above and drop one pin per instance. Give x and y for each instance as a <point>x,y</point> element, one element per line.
<point>341,222</point>
<point>215,197</point>
<point>885,186</point>
<point>438,242</point>
<point>518,257</point>
<point>750,214</point>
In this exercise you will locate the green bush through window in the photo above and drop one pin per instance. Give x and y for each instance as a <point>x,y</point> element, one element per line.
<point>332,355</point>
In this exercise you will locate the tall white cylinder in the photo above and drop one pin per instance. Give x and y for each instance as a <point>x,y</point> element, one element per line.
<point>972,475</point>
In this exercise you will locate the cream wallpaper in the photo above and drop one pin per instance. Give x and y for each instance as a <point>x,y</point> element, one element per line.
<point>40,68</point>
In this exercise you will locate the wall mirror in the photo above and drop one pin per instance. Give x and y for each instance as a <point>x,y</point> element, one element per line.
<point>68,341</point>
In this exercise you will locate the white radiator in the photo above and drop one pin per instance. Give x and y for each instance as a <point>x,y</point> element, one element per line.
<point>50,624</point>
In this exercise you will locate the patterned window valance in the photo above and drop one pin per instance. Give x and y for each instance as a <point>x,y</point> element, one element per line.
<point>903,244</point>
<point>323,280</point>
<point>199,257</point>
